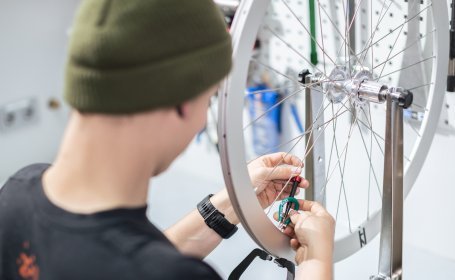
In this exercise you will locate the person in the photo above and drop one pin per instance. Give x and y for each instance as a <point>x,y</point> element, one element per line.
<point>139,78</point>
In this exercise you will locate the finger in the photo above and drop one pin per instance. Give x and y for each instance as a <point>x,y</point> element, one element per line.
<point>304,184</point>
<point>311,206</point>
<point>294,243</point>
<point>300,255</point>
<point>284,158</point>
<point>283,172</point>
<point>289,231</point>
<point>296,216</point>
<point>290,225</point>
<point>275,216</point>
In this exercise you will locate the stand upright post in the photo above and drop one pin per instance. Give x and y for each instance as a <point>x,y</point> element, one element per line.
<point>390,258</point>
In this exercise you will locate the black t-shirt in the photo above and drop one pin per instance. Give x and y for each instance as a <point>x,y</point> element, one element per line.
<point>39,241</point>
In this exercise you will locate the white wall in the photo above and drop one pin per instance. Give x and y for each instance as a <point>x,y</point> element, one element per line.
<point>33,38</point>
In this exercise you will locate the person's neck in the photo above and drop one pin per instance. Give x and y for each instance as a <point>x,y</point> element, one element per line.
<point>99,167</point>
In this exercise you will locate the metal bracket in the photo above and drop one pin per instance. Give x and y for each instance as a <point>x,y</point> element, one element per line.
<point>390,258</point>
<point>314,139</point>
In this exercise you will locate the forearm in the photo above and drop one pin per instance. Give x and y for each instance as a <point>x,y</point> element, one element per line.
<point>193,237</point>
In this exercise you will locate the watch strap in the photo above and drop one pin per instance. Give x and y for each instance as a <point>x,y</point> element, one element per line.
<point>215,219</point>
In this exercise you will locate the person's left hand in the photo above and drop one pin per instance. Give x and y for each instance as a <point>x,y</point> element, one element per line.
<point>269,174</point>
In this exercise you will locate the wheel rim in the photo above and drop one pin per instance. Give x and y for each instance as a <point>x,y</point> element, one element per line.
<point>232,141</point>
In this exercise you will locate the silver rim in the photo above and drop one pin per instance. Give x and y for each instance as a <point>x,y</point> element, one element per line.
<point>247,24</point>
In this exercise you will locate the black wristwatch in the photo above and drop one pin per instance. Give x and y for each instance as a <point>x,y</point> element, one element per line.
<point>215,219</point>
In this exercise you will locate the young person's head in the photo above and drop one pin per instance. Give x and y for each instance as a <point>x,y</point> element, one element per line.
<point>133,58</point>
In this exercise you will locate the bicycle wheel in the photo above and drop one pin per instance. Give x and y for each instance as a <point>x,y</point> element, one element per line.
<point>342,42</point>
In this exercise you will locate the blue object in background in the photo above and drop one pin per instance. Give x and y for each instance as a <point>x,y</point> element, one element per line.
<point>267,129</point>
<point>295,114</point>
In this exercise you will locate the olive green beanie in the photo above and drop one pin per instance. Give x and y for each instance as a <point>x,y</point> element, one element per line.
<point>129,56</point>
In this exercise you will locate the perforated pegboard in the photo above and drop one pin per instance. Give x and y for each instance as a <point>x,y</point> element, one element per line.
<point>285,43</point>
<point>285,36</point>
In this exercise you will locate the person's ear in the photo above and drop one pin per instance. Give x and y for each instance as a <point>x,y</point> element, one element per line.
<point>179,110</point>
<point>182,110</point>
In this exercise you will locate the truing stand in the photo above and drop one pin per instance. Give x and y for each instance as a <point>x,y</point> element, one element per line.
<point>315,147</point>
<point>390,258</point>
<point>359,89</point>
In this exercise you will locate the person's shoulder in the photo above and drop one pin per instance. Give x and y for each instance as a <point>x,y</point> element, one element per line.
<point>30,172</point>
<point>17,193</point>
<point>159,260</point>
<point>21,182</point>
<point>25,177</point>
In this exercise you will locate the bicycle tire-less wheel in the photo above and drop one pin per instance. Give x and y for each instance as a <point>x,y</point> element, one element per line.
<point>343,43</point>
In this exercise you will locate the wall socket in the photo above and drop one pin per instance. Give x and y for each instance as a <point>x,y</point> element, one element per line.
<point>18,114</point>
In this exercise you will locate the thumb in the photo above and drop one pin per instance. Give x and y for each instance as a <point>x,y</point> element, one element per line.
<point>294,216</point>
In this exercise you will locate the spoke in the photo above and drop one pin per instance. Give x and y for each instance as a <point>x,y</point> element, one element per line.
<point>390,52</point>
<point>322,39</point>
<point>307,150</point>
<point>420,106</point>
<point>273,89</point>
<point>346,44</point>
<point>279,194</point>
<point>325,126</point>
<point>369,158</point>
<point>272,108</point>
<point>348,32</point>
<point>407,67</point>
<point>345,30</point>
<point>396,28</point>
<point>330,173</point>
<point>403,50</point>
<point>293,139</point>
<point>342,188</point>
<point>320,111</point>
<point>368,126</point>
<point>425,85</point>
<point>371,32</point>
<point>274,70</point>
<point>377,135</point>
<point>414,129</point>
<point>369,172</point>
<point>276,105</point>
<point>306,29</point>
<point>369,44</point>
<point>334,126</point>
<point>338,31</point>
<point>291,47</point>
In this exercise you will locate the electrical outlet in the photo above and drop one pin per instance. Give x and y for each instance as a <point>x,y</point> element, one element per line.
<point>18,114</point>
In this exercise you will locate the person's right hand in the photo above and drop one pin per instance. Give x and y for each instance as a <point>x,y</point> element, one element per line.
<point>313,232</point>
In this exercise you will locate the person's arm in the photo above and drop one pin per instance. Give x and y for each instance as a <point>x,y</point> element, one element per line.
<point>193,237</point>
<point>312,238</point>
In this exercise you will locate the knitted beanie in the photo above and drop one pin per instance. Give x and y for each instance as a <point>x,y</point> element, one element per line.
<point>128,56</point>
